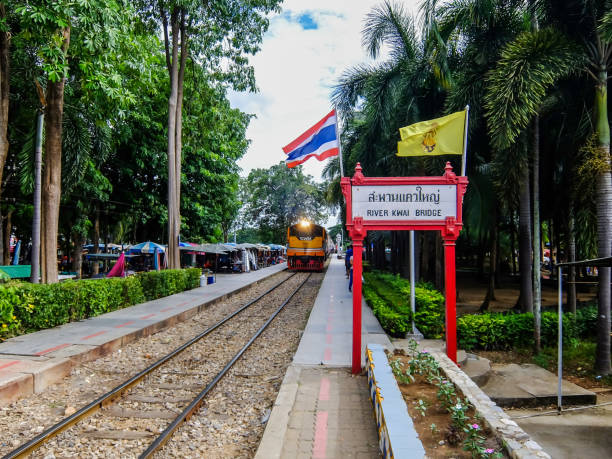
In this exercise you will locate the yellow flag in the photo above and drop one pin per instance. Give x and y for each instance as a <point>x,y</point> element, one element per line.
<point>442,136</point>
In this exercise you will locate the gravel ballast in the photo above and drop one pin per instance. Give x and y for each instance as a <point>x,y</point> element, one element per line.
<point>231,420</point>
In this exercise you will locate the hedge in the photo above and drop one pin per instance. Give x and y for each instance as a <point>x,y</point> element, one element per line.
<point>393,292</point>
<point>389,297</point>
<point>26,307</point>
<point>498,331</point>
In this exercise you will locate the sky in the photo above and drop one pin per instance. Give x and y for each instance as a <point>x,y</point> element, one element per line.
<point>303,54</point>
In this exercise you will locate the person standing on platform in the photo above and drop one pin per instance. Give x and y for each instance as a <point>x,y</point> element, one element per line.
<point>351,273</point>
<point>347,259</point>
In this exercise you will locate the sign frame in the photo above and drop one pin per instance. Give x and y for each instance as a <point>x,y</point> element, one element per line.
<point>449,228</point>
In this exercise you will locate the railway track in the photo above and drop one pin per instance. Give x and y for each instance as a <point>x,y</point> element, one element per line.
<point>180,373</point>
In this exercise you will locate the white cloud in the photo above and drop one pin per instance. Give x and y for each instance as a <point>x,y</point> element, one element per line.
<point>296,70</point>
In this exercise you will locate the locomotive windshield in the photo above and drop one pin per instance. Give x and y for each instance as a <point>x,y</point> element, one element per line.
<point>306,233</point>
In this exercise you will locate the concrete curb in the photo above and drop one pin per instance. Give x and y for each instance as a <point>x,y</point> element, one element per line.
<point>55,365</point>
<point>397,437</point>
<point>516,441</point>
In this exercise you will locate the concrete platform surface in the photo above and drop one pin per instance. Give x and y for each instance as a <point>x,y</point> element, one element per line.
<point>322,411</point>
<point>585,434</point>
<point>531,385</point>
<point>29,363</point>
<point>328,337</point>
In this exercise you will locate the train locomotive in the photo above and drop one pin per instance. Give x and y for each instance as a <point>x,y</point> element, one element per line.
<point>307,247</point>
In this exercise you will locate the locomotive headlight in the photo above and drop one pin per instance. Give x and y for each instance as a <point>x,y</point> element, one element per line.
<point>304,223</point>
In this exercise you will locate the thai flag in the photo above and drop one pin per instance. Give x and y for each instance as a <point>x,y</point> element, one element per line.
<point>319,141</point>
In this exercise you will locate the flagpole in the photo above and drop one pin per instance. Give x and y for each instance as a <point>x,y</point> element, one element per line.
<point>465,136</point>
<point>339,144</point>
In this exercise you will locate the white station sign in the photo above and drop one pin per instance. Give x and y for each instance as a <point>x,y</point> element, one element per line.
<point>404,202</point>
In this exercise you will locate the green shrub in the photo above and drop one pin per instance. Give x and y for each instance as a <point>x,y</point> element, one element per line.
<point>158,284</point>
<point>132,292</point>
<point>9,322</point>
<point>389,297</point>
<point>29,307</point>
<point>492,331</point>
<point>391,321</point>
<point>395,293</point>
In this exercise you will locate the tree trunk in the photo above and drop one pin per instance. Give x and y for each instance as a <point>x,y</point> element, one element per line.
<point>571,249</point>
<point>172,106</point>
<point>5,43</point>
<point>52,182</point>
<point>490,295</point>
<point>425,255</point>
<point>526,295</point>
<point>512,242</point>
<point>537,278</point>
<point>96,242</point>
<point>1,238</point>
<point>77,254</point>
<point>178,135</point>
<point>604,227</point>
<point>8,228</point>
<point>439,263</point>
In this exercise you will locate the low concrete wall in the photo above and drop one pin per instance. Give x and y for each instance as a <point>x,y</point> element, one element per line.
<point>397,437</point>
<point>517,442</point>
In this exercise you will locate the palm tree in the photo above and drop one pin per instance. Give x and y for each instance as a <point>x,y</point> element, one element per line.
<point>467,36</point>
<point>530,65</point>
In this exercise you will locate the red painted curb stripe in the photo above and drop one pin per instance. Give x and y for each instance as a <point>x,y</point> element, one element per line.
<point>61,346</point>
<point>123,325</point>
<point>165,309</point>
<point>148,316</point>
<point>320,439</point>
<point>94,335</point>
<point>329,327</point>
<point>9,364</point>
<point>324,389</point>
<point>182,304</point>
<point>328,339</point>
<point>327,355</point>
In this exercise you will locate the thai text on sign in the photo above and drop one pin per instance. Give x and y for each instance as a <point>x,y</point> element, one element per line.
<point>404,202</point>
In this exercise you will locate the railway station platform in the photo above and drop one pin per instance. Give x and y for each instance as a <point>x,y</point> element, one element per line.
<point>322,411</point>
<point>29,363</point>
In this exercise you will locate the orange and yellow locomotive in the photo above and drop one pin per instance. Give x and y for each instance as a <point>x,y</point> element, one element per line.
<point>306,247</point>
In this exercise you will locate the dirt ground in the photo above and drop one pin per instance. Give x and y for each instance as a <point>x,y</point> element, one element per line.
<point>471,293</point>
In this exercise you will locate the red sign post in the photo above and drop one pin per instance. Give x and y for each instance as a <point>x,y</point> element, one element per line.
<point>405,203</point>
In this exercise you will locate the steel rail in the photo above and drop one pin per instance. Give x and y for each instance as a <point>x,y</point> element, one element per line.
<point>197,401</point>
<point>117,391</point>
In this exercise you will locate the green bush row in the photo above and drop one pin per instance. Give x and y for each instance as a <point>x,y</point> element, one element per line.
<point>389,295</point>
<point>394,292</point>
<point>494,331</point>
<point>394,323</point>
<point>27,307</point>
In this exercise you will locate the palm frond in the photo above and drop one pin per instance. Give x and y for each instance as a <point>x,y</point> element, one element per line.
<point>389,24</point>
<point>517,86</point>
<point>605,26</point>
<point>25,164</point>
<point>351,86</point>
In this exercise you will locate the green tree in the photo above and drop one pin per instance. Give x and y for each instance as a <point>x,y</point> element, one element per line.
<point>278,197</point>
<point>188,32</point>
<point>92,30</point>
<point>577,43</point>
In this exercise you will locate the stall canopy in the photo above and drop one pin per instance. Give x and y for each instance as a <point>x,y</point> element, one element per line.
<point>146,247</point>
<point>218,249</point>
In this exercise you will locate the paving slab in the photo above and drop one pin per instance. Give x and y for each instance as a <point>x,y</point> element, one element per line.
<point>328,336</point>
<point>29,363</point>
<point>322,411</point>
<point>531,385</point>
<point>585,434</point>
